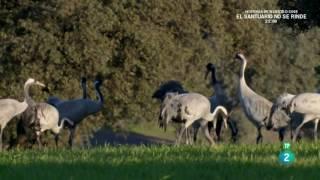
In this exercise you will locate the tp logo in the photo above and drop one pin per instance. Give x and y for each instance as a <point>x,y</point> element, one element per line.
<point>286,156</point>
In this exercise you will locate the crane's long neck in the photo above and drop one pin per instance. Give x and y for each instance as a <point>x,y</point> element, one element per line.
<point>213,77</point>
<point>217,86</point>
<point>288,103</point>
<point>27,97</point>
<point>223,111</point>
<point>289,99</point>
<point>99,94</point>
<point>243,69</point>
<point>84,90</point>
<point>62,122</point>
<point>218,109</point>
<point>243,83</point>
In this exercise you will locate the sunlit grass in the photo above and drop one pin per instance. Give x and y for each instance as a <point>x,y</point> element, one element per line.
<point>161,162</point>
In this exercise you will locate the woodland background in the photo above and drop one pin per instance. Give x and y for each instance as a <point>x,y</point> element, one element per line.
<point>136,45</point>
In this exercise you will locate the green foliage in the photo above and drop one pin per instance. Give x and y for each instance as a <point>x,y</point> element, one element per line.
<point>308,7</point>
<point>135,45</point>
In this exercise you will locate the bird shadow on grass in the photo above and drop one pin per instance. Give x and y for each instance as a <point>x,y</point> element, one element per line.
<point>109,137</point>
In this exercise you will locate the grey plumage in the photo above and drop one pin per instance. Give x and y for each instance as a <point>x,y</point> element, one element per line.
<point>281,103</point>
<point>42,117</point>
<point>11,107</point>
<point>256,108</point>
<point>307,104</point>
<point>220,98</point>
<point>190,107</point>
<point>48,117</point>
<point>171,86</point>
<point>161,93</point>
<point>168,113</point>
<point>53,100</point>
<point>78,109</point>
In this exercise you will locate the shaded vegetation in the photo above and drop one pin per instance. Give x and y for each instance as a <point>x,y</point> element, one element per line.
<point>135,45</point>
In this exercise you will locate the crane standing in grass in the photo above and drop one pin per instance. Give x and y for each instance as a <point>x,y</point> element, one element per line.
<point>191,107</point>
<point>168,90</point>
<point>256,108</point>
<point>220,98</point>
<point>160,94</point>
<point>306,103</point>
<point>26,124</point>
<point>10,108</point>
<point>42,117</point>
<point>78,109</point>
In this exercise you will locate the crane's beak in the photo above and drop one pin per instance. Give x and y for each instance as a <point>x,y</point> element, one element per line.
<point>40,84</point>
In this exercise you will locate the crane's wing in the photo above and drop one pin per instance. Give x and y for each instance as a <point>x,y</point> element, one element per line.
<point>307,103</point>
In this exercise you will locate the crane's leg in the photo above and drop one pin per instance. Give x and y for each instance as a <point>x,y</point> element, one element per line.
<point>190,135</point>
<point>218,127</point>
<point>291,130</point>
<point>195,128</point>
<point>178,140</point>
<point>160,122</point>
<point>38,133</point>
<point>71,136</point>
<point>56,139</point>
<point>234,130</point>
<point>187,135</point>
<point>190,131</point>
<point>259,137</point>
<point>1,131</point>
<point>305,120</point>
<point>281,134</point>
<point>178,129</point>
<point>183,129</point>
<point>296,132</point>
<point>315,133</point>
<point>207,134</point>
<point>37,126</point>
<point>195,133</point>
<point>210,126</point>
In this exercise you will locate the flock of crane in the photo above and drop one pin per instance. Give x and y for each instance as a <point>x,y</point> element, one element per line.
<point>51,115</point>
<point>197,111</point>
<point>177,105</point>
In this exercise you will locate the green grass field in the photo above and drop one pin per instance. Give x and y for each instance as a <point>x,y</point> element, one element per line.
<point>161,162</point>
